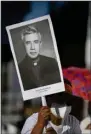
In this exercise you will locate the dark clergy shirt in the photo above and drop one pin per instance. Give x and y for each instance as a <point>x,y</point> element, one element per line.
<point>39,72</point>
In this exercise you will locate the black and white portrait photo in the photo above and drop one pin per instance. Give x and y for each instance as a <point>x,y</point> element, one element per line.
<point>36,58</point>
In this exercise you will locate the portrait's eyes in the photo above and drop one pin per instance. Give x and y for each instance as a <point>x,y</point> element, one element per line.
<point>36,41</point>
<point>28,42</point>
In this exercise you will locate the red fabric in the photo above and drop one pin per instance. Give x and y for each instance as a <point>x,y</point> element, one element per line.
<point>81,81</point>
<point>68,88</point>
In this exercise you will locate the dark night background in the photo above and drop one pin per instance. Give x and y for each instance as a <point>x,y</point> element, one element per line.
<point>69,22</point>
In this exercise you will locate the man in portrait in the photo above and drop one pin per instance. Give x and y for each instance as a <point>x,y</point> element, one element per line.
<point>36,70</point>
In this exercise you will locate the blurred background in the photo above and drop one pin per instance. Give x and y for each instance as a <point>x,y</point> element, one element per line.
<point>72,26</point>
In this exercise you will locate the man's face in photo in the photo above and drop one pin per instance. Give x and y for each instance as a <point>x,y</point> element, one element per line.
<point>32,44</point>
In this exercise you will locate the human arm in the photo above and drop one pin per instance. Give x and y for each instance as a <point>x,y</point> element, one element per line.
<point>43,118</point>
<point>50,130</point>
<point>55,120</point>
<point>38,129</point>
<point>36,122</point>
<point>85,125</point>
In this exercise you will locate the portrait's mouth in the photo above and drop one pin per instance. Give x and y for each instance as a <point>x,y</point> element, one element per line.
<point>33,53</point>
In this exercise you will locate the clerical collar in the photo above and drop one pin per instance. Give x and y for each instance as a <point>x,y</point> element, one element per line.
<point>35,61</point>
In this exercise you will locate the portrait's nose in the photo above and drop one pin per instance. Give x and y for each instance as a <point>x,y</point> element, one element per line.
<point>32,45</point>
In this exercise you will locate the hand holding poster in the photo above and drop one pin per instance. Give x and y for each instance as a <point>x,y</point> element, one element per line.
<point>36,57</point>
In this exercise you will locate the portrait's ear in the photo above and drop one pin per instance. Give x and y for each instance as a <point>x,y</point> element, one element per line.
<point>22,37</point>
<point>40,38</point>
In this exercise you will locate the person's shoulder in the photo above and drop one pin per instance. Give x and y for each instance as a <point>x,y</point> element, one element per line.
<point>32,117</point>
<point>85,122</point>
<point>47,59</point>
<point>74,124</point>
<point>23,62</point>
<point>29,123</point>
<point>72,119</point>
